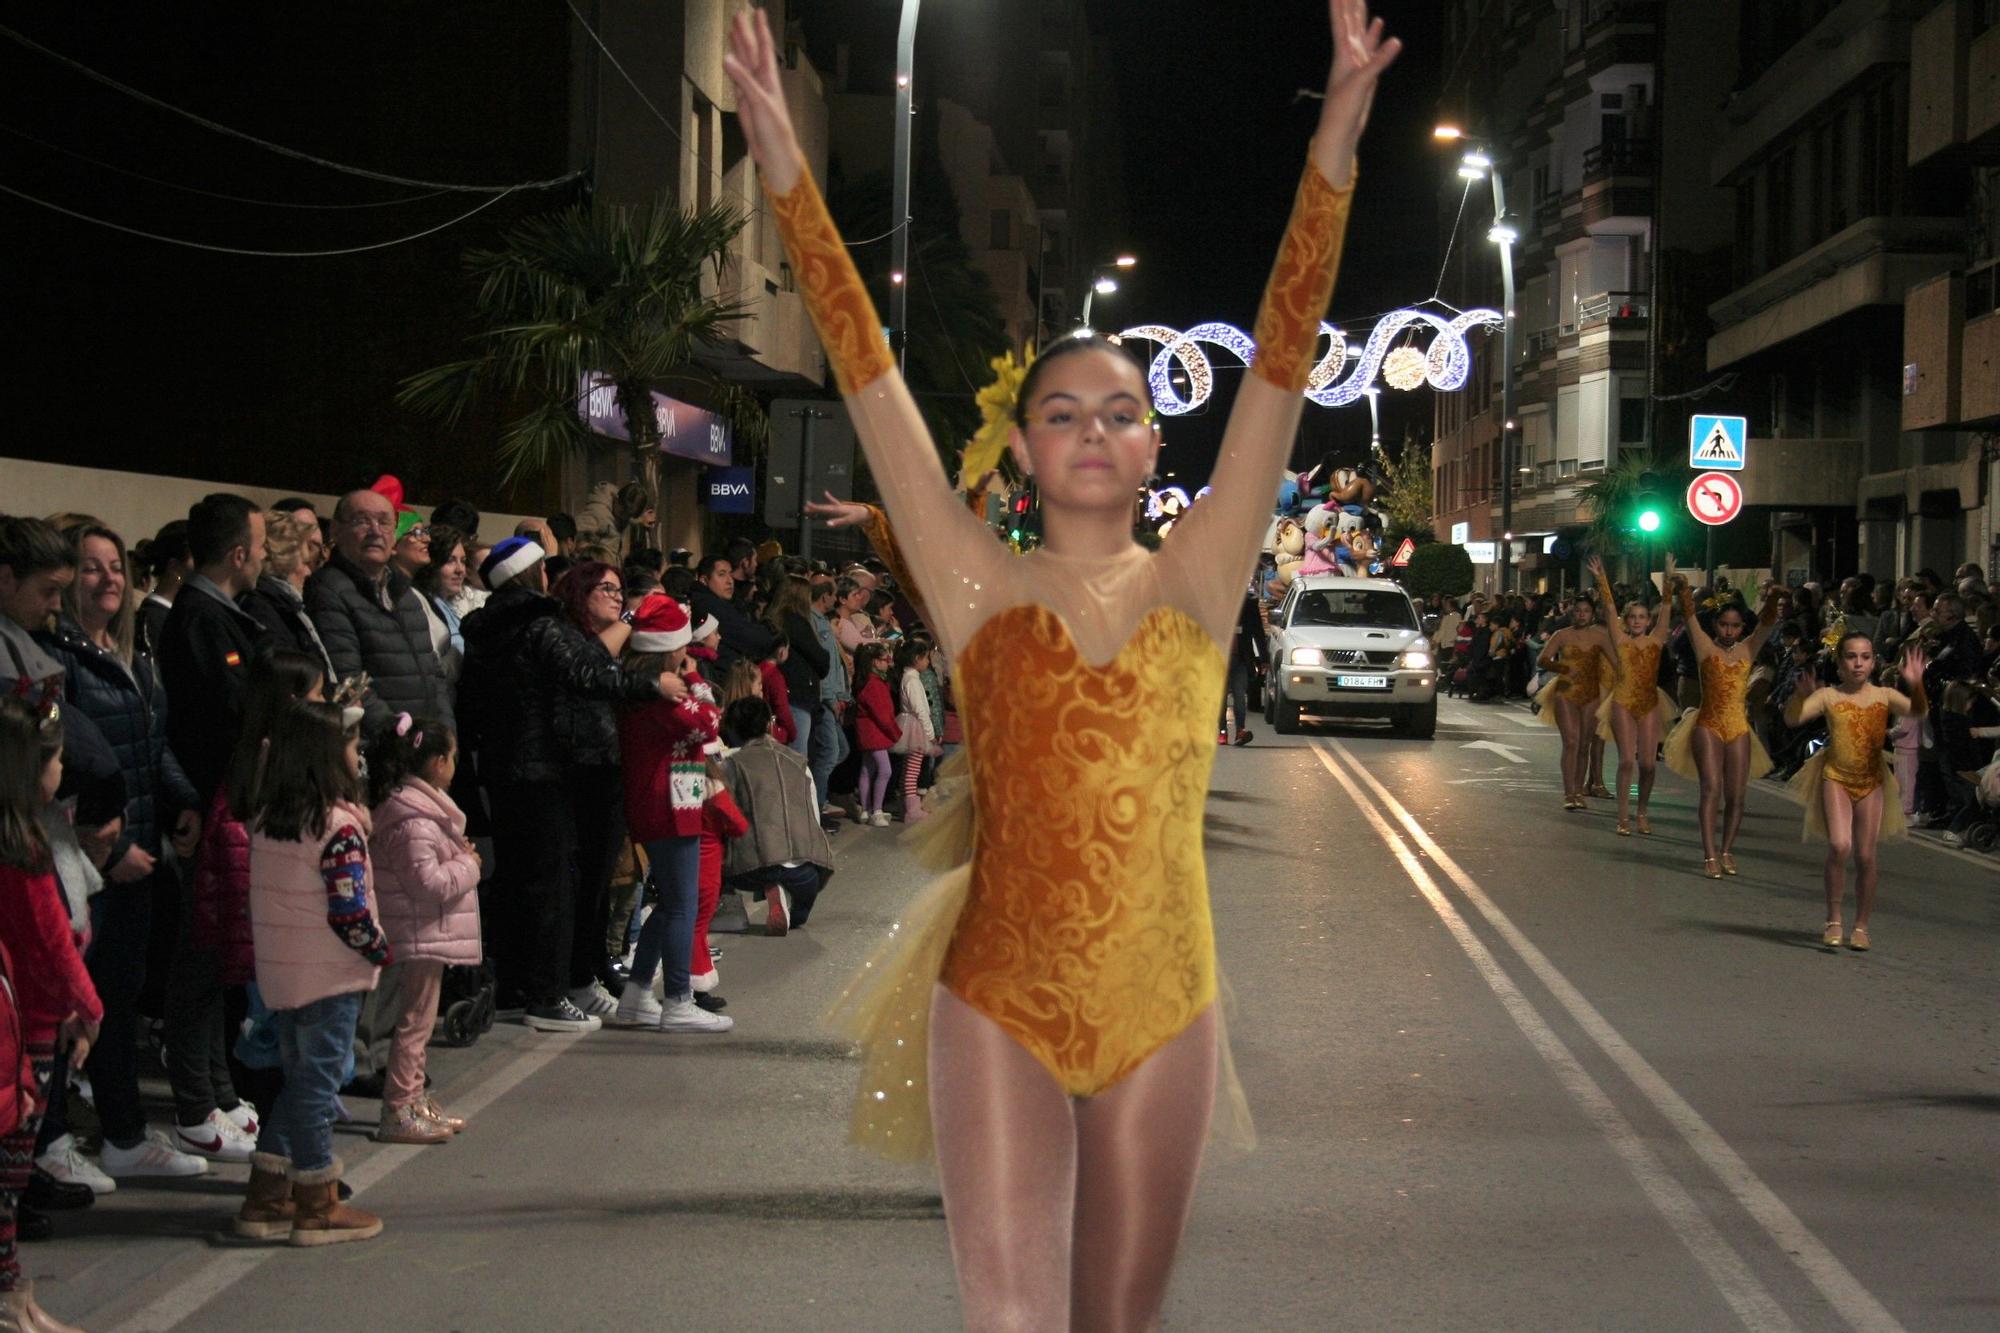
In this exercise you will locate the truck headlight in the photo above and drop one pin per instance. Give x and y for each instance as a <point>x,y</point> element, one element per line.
<point>1415,659</point>
<point>1307,657</point>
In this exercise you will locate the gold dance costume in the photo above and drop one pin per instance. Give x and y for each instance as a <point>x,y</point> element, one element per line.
<point>1579,679</point>
<point>1638,688</point>
<point>1088,689</point>
<point>1857,725</point>
<point>1725,688</point>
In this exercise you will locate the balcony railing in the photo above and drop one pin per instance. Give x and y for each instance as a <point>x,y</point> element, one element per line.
<point>1606,306</point>
<point>1542,341</point>
<point>1618,157</point>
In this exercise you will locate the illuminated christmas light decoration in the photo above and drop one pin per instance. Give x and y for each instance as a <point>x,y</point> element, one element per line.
<point>1340,376</point>
<point>1405,368</point>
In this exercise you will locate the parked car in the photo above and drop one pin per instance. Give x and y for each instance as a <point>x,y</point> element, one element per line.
<point>1353,647</point>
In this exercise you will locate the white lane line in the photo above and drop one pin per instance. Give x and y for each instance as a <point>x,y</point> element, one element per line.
<point>1842,1290</point>
<point>210,1279</point>
<point>1753,1304</point>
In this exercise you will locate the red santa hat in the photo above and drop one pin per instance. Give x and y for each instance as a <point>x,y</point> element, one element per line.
<point>708,626</point>
<point>660,625</point>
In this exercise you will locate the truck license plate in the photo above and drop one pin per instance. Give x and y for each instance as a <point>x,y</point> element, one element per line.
<point>1361,682</point>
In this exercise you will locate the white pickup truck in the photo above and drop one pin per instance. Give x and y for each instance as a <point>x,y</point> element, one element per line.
<point>1350,646</point>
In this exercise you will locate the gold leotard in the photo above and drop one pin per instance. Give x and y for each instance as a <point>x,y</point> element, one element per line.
<point>1579,679</point>
<point>1639,683</point>
<point>1725,690</point>
<point>1089,688</point>
<point>1086,934</point>
<point>1857,724</point>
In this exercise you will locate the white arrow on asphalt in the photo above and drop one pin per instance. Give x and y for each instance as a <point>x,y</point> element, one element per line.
<point>1508,752</point>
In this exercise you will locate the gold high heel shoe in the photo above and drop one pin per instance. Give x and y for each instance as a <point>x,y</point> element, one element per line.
<point>1831,936</point>
<point>1599,790</point>
<point>1710,868</point>
<point>1624,829</point>
<point>1645,827</point>
<point>1857,939</point>
<point>1728,864</point>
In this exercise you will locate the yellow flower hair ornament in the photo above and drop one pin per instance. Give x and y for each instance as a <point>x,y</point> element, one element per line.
<point>988,446</point>
<point>1833,634</point>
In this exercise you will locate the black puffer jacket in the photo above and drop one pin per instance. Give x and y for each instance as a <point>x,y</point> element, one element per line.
<point>363,633</point>
<point>130,710</point>
<point>586,728</point>
<point>282,612</point>
<point>806,667</point>
<point>521,656</point>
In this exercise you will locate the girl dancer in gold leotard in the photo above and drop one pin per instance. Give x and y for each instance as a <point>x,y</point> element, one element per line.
<point>1580,656</point>
<point>1849,788</point>
<point>1714,744</point>
<point>1634,712</point>
<point>1068,1009</point>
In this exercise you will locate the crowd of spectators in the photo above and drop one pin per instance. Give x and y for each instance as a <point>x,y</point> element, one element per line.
<point>584,755</point>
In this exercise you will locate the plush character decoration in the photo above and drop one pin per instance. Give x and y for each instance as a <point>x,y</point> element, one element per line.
<point>1361,552</point>
<point>1289,545</point>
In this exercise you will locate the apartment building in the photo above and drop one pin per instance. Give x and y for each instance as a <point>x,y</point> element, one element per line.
<point>1566,99</point>
<point>1857,151</point>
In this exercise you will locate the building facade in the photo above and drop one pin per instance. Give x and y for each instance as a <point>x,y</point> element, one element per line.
<point>1600,169</point>
<point>1860,322</point>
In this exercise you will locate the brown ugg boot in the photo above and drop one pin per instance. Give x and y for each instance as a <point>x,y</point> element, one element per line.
<point>267,1209</point>
<point>322,1219</point>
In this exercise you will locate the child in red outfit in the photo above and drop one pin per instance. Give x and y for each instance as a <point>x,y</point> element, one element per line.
<point>875,729</point>
<point>52,991</point>
<point>721,820</point>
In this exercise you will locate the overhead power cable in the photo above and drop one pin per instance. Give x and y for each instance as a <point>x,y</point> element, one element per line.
<point>481,207</point>
<point>21,39</point>
<point>214,194</point>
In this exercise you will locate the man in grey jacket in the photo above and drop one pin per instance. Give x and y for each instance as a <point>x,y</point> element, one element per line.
<point>372,620</point>
<point>786,857</point>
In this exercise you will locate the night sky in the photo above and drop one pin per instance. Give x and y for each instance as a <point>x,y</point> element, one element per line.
<point>1214,141</point>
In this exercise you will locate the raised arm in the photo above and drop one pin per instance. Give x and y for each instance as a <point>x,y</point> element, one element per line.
<point>1804,706</point>
<point>945,542</point>
<point>1673,586</point>
<point>1914,703</point>
<point>1767,620</point>
<point>1607,597</point>
<point>1214,547</point>
<point>1551,657</point>
<point>1704,647</point>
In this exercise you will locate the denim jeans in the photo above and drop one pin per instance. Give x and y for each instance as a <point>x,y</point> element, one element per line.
<point>802,723</point>
<point>802,882</point>
<point>667,938</point>
<point>315,1042</point>
<point>827,748</point>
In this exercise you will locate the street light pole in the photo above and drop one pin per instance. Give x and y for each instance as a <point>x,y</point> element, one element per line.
<point>899,206</point>
<point>1508,451</point>
<point>806,416</point>
<point>1101,281</point>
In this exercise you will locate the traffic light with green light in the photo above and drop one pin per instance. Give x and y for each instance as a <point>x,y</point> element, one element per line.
<point>1649,512</point>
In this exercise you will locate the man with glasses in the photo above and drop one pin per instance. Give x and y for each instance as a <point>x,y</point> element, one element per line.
<point>371,618</point>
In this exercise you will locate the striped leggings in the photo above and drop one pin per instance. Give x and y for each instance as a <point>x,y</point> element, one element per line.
<point>17,1164</point>
<point>913,767</point>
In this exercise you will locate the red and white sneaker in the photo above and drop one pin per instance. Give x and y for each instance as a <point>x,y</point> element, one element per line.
<point>1222,738</point>
<point>779,920</point>
<point>215,1138</point>
<point>244,1116</point>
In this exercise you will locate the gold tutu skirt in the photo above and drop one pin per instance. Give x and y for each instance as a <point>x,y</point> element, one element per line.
<point>1604,731</point>
<point>1679,753</point>
<point>886,1009</point>
<point>1809,782</point>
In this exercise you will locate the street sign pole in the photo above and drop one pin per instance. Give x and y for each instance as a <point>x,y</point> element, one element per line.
<point>806,416</point>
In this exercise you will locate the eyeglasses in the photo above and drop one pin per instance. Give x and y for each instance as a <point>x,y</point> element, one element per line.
<point>419,532</point>
<point>616,590</point>
<point>375,522</point>
<point>1114,420</point>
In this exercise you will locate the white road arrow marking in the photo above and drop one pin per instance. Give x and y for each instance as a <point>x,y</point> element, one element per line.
<point>1508,752</point>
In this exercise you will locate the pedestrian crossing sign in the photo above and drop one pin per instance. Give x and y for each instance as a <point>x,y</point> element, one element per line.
<point>1718,443</point>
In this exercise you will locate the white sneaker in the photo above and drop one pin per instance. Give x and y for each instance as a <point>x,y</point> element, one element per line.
<point>637,1008</point>
<point>594,999</point>
<point>706,982</point>
<point>1951,839</point>
<point>244,1117</point>
<point>216,1138</point>
<point>880,819</point>
<point>67,1164</point>
<point>153,1156</point>
<point>687,1016</point>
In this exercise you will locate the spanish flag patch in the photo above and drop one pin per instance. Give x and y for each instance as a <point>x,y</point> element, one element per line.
<point>232,659</point>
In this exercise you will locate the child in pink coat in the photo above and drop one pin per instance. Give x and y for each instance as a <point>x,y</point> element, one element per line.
<point>427,893</point>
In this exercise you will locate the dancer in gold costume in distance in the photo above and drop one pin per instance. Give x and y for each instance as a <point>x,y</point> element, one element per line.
<point>1849,787</point>
<point>1635,710</point>
<point>1580,655</point>
<point>1063,984</point>
<point>1714,745</point>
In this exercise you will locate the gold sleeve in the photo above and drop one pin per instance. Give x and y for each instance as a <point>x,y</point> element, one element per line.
<point>882,538</point>
<point>839,304</point>
<point>1301,283</point>
<point>1610,607</point>
<point>1687,603</point>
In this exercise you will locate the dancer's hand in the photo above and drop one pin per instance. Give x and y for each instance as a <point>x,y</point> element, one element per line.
<point>1360,54</point>
<point>1596,568</point>
<point>752,65</point>
<point>837,512</point>
<point>1914,662</point>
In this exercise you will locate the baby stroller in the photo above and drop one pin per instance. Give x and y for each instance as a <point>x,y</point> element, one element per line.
<point>1983,834</point>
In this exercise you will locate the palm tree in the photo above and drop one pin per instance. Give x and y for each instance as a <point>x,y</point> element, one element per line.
<point>1608,497</point>
<point>588,297</point>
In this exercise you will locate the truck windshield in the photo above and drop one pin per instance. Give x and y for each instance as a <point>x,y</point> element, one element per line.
<point>1358,606</point>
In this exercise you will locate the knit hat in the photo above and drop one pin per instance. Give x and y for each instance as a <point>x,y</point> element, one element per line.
<point>509,559</point>
<point>659,626</point>
<point>708,626</point>
<point>406,520</point>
